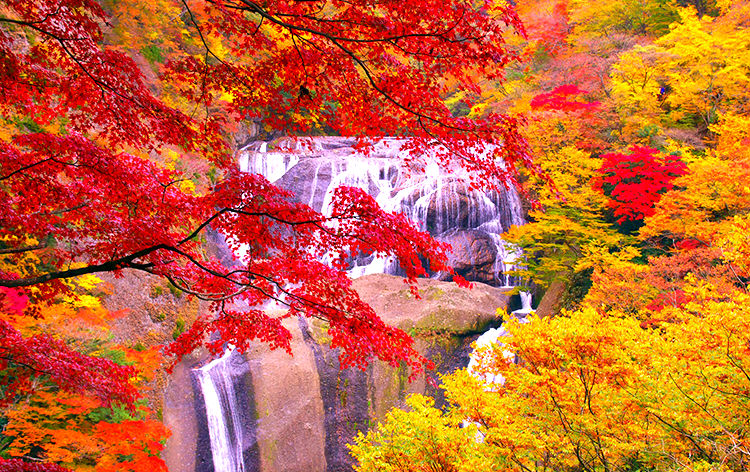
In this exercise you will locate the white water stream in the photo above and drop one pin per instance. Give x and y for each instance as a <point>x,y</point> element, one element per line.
<point>222,414</point>
<point>494,336</point>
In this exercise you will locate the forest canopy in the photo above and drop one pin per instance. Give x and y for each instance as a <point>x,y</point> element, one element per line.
<point>638,112</point>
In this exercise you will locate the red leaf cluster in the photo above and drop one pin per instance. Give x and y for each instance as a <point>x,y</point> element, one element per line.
<point>71,370</point>
<point>634,182</point>
<point>17,465</point>
<point>560,99</point>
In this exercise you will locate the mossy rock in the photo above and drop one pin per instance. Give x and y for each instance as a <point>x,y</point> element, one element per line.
<point>454,321</point>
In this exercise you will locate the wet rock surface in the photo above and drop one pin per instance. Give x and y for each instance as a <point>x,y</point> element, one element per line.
<point>473,254</point>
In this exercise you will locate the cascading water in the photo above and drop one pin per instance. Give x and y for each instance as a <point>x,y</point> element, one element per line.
<point>526,299</point>
<point>438,201</point>
<point>494,336</point>
<point>222,414</point>
<point>273,167</point>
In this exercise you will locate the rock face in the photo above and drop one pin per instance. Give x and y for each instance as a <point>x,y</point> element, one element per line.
<point>473,254</point>
<point>305,408</point>
<point>300,411</point>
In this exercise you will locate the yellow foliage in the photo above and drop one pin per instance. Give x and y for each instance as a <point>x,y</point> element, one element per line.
<point>187,186</point>
<point>732,136</point>
<point>569,220</point>
<point>636,90</point>
<point>87,281</point>
<point>477,110</point>
<point>708,66</point>
<point>599,391</point>
<point>735,245</point>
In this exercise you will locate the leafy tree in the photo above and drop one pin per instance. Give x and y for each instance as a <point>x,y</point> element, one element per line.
<point>689,76</point>
<point>570,217</point>
<point>597,392</point>
<point>421,440</point>
<point>67,387</point>
<point>635,17</point>
<point>708,66</point>
<point>560,234</point>
<point>634,182</point>
<point>637,87</point>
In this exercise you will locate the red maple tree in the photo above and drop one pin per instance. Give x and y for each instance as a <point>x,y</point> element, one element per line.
<point>634,182</point>
<point>563,98</point>
<point>83,188</point>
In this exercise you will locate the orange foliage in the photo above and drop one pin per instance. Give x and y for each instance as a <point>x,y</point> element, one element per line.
<point>57,427</point>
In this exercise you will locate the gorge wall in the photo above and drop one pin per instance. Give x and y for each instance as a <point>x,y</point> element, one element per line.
<point>298,412</point>
<point>267,411</point>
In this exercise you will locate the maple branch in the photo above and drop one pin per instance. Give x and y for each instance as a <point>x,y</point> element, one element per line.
<point>63,210</point>
<point>18,250</point>
<point>208,297</point>
<point>208,51</point>
<point>337,41</point>
<point>12,360</point>
<point>50,159</point>
<point>61,41</point>
<point>4,177</point>
<point>109,266</point>
<point>248,285</point>
<point>255,8</point>
<point>129,261</point>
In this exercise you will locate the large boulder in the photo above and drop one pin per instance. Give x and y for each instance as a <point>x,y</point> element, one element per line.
<point>441,306</point>
<point>473,254</point>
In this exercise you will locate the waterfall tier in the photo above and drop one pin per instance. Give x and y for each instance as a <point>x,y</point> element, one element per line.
<point>438,201</point>
<point>495,336</point>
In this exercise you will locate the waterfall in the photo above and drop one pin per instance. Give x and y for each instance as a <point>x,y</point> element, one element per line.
<point>489,337</point>
<point>437,200</point>
<point>271,165</point>
<point>526,299</point>
<point>222,414</point>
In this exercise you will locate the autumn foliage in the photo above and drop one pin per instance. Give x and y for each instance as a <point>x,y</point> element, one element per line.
<point>562,98</point>
<point>624,123</point>
<point>642,362</point>
<point>116,156</point>
<point>86,143</point>
<point>634,182</point>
